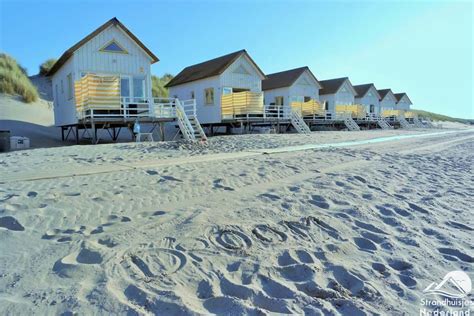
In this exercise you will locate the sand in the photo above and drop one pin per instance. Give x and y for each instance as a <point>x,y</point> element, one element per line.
<point>236,228</point>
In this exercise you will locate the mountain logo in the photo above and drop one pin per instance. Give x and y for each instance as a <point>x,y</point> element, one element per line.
<point>455,284</point>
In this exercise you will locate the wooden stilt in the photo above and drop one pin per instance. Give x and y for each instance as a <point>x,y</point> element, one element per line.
<point>162,132</point>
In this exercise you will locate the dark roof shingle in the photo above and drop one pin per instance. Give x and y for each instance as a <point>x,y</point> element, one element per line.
<point>362,89</point>
<point>114,21</point>
<point>284,78</point>
<point>331,86</point>
<point>383,93</point>
<point>209,68</point>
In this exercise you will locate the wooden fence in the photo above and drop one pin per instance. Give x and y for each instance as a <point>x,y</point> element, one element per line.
<point>356,110</point>
<point>308,108</point>
<point>97,92</point>
<point>241,103</point>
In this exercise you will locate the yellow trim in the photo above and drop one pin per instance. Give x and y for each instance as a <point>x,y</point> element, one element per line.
<point>310,107</point>
<point>103,50</point>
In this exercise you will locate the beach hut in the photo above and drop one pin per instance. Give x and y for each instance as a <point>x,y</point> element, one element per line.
<point>226,89</point>
<point>403,101</point>
<point>368,96</point>
<point>104,82</point>
<point>296,89</point>
<point>387,100</point>
<point>338,95</point>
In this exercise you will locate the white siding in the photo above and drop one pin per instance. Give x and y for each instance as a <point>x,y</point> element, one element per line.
<point>304,86</point>
<point>280,92</point>
<point>345,95</point>
<point>232,78</point>
<point>64,108</point>
<point>389,102</point>
<point>89,58</point>
<point>206,113</point>
<point>403,104</point>
<point>371,97</point>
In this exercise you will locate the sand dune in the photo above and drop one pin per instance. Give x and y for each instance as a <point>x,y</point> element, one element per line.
<point>353,231</point>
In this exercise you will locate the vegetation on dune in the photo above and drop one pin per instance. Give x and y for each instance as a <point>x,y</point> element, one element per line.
<point>46,66</point>
<point>158,85</point>
<point>14,80</point>
<point>438,117</point>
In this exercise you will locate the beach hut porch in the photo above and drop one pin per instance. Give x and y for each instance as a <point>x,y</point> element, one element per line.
<point>101,104</point>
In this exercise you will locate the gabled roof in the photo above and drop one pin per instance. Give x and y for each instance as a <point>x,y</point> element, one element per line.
<point>383,93</point>
<point>114,21</point>
<point>362,90</point>
<point>285,78</point>
<point>332,86</point>
<point>399,96</point>
<point>210,68</point>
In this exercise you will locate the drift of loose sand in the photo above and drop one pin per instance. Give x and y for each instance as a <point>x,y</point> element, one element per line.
<point>355,230</point>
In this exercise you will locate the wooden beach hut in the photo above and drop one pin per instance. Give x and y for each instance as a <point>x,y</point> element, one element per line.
<point>403,101</point>
<point>295,89</point>
<point>368,96</point>
<point>104,82</point>
<point>226,89</point>
<point>337,95</point>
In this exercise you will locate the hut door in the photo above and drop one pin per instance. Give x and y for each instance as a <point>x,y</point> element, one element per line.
<point>372,108</point>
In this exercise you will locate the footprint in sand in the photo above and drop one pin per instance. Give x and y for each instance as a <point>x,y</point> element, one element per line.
<point>11,223</point>
<point>218,185</point>
<point>450,253</point>
<point>369,227</point>
<point>365,244</point>
<point>417,208</point>
<point>319,201</point>
<point>323,226</point>
<point>459,226</point>
<point>297,229</point>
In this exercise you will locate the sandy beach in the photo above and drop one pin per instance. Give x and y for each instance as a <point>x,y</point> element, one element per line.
<point>245,225</point>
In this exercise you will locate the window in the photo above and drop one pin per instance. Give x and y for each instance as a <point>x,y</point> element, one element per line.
<point>139,87</point>
<point>192,94</point>
<point>226,90</point>
<point>125,87</point>
<point>307,99</point>
<point>209,94</point>
<point>69,86</point>
<point>113,47</point>
<point>326,105</point>
<point>278,100</point>
<point>372,108</point>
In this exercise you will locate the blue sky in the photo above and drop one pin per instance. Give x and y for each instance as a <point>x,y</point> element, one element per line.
<point>423,48</point>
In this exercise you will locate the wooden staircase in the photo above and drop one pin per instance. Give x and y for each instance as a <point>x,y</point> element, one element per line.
<point>403,122</point>
<point>188,122</point>
<point>298,123</point>
<point>383,124</point>
<point>418,123</point>
<point>351,124</point>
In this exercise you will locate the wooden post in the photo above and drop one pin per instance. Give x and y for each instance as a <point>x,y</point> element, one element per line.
<point>94,132</point>
<point>62,133</point>
<point>77,133</point>
<point>162,131</point>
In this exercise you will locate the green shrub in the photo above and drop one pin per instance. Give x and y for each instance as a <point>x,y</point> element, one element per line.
<point>13,80</point>
<point>158,85</point>
<point>46,66</point>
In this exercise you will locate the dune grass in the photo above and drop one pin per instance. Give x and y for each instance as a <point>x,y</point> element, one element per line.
<point>14,80</point>
<point>158,85</point>
<point>438,117</point>
<point>46,66</point>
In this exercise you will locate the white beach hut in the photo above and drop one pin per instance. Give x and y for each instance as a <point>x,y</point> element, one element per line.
<point>387,100</point>
<point>403,101</point>
<point>104,82</point>
<point>336,92</point>
<point>368,96</point>
<point>225,88</point>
